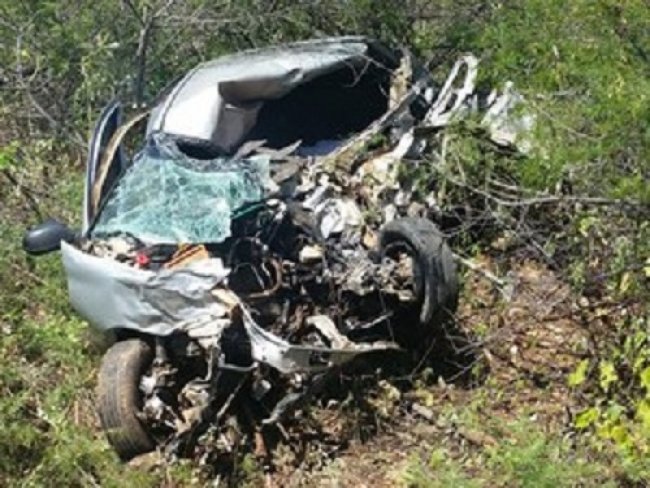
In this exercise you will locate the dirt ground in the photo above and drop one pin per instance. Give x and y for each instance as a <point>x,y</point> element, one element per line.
<point>520,348</point>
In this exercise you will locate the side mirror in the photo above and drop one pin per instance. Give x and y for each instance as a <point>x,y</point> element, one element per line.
<point>47,237</point>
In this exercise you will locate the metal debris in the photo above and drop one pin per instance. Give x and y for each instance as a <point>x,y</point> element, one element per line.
<point>507,126</point>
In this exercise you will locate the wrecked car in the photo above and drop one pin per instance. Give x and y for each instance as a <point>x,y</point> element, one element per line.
<point>257,239</point>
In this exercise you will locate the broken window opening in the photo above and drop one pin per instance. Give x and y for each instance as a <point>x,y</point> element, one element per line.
<point>166,197</point>
<point>329,108</point>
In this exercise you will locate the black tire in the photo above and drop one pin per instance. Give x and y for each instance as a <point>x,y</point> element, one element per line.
<point>119,397</point>
<point>436,278</point>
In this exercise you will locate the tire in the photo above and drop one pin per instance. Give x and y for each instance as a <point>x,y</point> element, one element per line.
<point>436,278</point>
<point>119,397</point>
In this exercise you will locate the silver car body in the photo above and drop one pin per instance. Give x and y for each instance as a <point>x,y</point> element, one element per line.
<point>216,103</point>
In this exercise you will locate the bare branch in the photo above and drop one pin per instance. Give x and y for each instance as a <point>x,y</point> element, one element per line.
<point>500,283</point>
<point>26,192</point>
<point>148,22</point>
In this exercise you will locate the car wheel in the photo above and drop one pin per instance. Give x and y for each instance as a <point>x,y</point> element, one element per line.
<point>120,399</point>
<point>435,276</point>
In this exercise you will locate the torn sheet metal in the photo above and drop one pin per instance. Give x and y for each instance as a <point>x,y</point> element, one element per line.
<point>219,101</point>
<point>451,101</point>
<point>206,329</point>
<point>327,328</point>
<point>335,215</point>
<point>379,174</point>
<point>507,125</point>
<point>112,295</point>
<point>287,358</point>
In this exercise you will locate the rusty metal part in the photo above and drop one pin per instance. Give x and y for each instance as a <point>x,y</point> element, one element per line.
<point>187,254</point>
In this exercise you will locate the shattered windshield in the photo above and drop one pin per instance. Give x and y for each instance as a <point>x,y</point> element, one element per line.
<point>168,197</point>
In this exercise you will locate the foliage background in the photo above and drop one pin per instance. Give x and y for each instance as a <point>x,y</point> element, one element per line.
<point>584,68</point>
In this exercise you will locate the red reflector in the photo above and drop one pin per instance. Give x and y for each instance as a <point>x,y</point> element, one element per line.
<point>142,259</point>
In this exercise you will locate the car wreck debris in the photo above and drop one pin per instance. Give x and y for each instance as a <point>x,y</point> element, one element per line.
<point>264,235</point>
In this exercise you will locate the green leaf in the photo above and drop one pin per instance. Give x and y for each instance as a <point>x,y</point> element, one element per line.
<point>437,459</point>
<point>579,376</point>
<point>8,155</point>
<point>585,224</point>
<point>5,160</point>
<point>607,374</point>
<point>643,412</point>
<point>586,418</point>
<point>619,434</point>
<point>645,379</point>
<point>626,280</point>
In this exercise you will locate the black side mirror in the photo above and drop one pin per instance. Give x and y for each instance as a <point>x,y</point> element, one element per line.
<point>47,237</point>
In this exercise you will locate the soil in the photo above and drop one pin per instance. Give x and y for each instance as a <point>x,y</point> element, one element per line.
<point>523,346</point>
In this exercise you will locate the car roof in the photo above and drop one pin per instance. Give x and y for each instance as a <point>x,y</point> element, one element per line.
<point>200,106</point>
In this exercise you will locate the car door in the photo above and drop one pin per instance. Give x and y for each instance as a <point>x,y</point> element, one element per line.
<point>108,122</point>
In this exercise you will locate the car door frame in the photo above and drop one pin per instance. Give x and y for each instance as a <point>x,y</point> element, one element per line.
<point>107,124</point>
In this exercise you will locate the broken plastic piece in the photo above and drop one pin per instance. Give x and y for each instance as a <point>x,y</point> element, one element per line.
<point>142,260</point>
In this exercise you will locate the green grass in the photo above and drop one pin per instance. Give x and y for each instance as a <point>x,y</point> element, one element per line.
<point>47,426</point>
<point>48,434</point>
<point>440,470</point>
<point>522,456</point>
